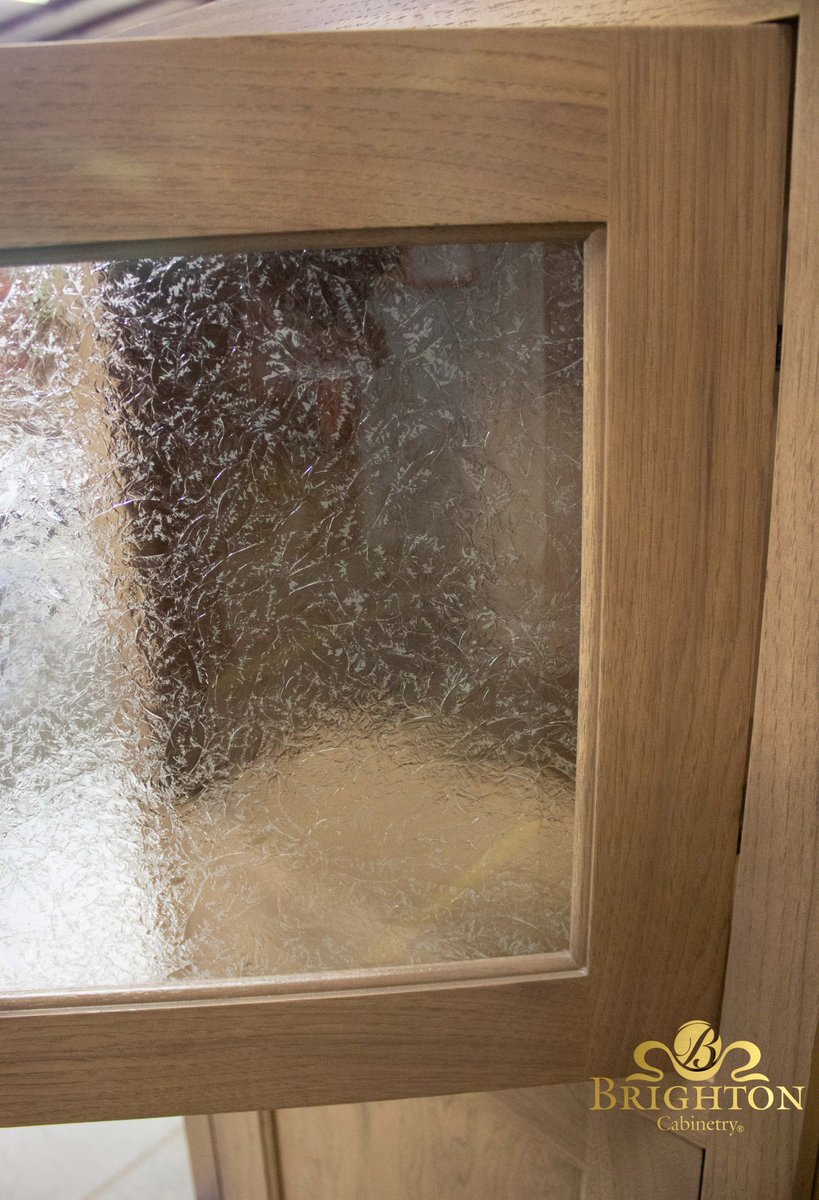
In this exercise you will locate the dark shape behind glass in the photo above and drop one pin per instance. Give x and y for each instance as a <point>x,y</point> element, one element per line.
<point>351,564</point>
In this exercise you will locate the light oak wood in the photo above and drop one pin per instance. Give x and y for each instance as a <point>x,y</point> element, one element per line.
<point>682,413</point>
<point>806,1173</point>
<point>280,16</point>
<point>246,1155</point>
<point>559,1115</point>
<point>458,1147</point>
<point>480,1147</point>
<point>106,1062</point>
<point>630,1159</point>
<point>772,984</point>
<point>234,1156</point>
<point>202,1157</point>
<point>556,1112</point>
<point>143,139</point>
<point>696,194</point>
<point>595,260</point>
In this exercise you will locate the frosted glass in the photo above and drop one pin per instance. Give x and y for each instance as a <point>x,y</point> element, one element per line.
<point>290,603</point>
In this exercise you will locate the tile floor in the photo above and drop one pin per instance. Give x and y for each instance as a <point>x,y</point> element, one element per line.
<point>105,1160</point>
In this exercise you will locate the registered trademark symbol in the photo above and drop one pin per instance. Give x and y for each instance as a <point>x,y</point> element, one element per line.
<point>740,1128</point>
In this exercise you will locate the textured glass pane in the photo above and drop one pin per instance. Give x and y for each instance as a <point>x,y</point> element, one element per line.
<point>290,595</point>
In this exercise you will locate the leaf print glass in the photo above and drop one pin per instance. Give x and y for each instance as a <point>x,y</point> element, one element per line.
<point>291,591</point>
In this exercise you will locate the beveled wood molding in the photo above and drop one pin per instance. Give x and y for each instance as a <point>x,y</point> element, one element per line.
<point>303,239</point>
<point>282,16</point>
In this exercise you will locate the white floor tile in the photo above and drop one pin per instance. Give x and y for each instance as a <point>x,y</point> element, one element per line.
<point>163,1174</point>
<point>66,1162</point>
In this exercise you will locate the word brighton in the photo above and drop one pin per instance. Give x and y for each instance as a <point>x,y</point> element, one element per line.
<point>699,1098</point>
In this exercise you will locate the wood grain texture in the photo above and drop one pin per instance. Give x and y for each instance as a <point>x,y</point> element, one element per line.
<point>278,16</point>
<point>595,260</point>
<point>244,1146</point>
<point>558,1114</point>
<point>145,139</point>
<point>772,985</point>
<point>144,1059</point>
<point>697,142</point>
<point>630,1159</point>
<point>458,1147</point>
<point>483,1147</point>
<point>234,1156</point>
<point>699,129</point>
<point>202,1158</point>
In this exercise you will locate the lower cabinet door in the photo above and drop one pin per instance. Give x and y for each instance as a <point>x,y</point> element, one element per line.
<point>524,1144</point>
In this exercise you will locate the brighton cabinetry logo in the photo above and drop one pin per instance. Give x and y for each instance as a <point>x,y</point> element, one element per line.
<point>700,1104</point>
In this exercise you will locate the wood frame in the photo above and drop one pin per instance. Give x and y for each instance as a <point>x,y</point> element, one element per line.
<point>234,1156</point>
<point>481,1146</point>
<point>692,202</point>
<point>283,16</point>
<point>772,980</point>
<point>447,128</point>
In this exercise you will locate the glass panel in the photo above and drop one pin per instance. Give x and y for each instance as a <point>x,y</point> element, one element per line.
<point>290,602</point>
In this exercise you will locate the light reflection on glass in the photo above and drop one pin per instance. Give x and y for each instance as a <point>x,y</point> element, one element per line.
<point>290,611</point>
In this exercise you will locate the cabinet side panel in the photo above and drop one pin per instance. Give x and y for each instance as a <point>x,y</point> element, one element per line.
<point>772,984</point>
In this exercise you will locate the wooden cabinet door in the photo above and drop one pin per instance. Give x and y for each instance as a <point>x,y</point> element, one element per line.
<point>663,150</point>
<point>522,1143</point>
<point>532,1143</point>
